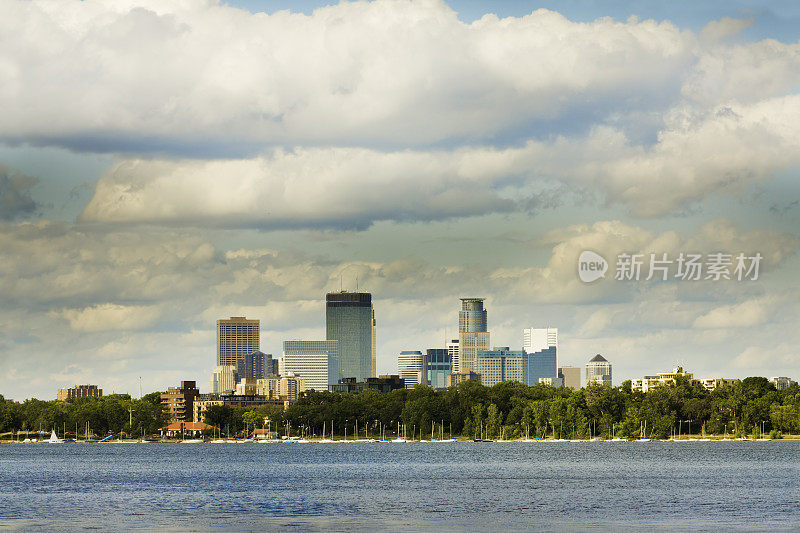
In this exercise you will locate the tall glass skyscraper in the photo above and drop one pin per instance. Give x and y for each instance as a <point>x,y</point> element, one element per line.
<point>350,319</point>
<point>472,333</point>
<point>439,367</point>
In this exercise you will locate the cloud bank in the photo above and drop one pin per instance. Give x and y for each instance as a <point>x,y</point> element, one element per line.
<point>385,110</point>
<point>723,153</point>
<point>410,73</point>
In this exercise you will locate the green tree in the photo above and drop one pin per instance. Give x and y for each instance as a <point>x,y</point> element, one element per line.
<point>494,421</point>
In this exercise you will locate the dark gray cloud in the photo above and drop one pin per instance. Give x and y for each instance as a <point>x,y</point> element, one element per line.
<point>15,198</point>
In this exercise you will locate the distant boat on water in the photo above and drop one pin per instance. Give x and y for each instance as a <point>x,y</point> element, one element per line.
<point>54,438</point>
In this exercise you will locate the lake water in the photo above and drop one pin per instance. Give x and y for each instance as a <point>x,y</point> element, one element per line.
<point>413,486</point>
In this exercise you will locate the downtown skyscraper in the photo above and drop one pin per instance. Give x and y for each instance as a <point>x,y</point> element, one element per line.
<point>541,347</point>
<point>317,362</point>
<point>350,319</point>
<point>236,337</point>
<point>472,333</point>
<point>598,370</point>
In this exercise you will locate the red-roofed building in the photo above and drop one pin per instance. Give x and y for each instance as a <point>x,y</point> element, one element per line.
<point>264,434</point>
<point>191,429</point>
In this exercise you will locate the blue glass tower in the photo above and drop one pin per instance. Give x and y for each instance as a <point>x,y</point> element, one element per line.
<point>440,364</point>
<point>542,364</point>
<point>349,319</point>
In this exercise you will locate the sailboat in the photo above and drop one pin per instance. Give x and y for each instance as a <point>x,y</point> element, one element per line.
<point>325,432</point>
<point>703,433</point>
<point>643,432</point>
<point>54,438</point>
<point>398,439</point>
<point>87,439</point>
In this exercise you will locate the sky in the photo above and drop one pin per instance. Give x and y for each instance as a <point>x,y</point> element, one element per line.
<point>164,164</point>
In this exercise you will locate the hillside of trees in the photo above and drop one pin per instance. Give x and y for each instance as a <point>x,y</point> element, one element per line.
<point>509,409</point>
<point>106,414</point>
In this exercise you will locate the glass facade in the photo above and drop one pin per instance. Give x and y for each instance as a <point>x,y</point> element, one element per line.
<point>472,316</point>
<point>316,362</point>
<point>439,367</point>
<point>501,364</point>
<point>598,370</point>
<point>472,333</point>
<point>349,319</point>
<point>254,365</point>
<point>542,364</point>
<point>412,367</point>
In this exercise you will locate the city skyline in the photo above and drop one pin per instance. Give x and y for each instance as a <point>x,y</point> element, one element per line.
<point>422,151</point>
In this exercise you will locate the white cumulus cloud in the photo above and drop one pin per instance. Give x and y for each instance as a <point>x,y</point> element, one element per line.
<point>110,317</point>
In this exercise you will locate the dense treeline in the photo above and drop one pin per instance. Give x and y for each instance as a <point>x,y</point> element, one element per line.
<point>509,409</point>
<point>108,414</point>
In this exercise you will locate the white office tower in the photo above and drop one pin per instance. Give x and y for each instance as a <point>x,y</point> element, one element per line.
<point>452,351</point>
<point>538,339</point>
<point>223,379</point>
<point>316,362</point>
<point>412,366</point>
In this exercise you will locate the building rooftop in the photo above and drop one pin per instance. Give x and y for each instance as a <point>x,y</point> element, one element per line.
<point>188,426</point>
<point>598,359</point>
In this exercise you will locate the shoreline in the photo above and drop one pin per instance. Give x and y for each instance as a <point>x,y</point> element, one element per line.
<point>375,441</point>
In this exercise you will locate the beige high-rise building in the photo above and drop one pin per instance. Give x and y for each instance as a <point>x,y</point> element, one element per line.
<point>79,391</point>
<point>286,387</point>
<point>661,379</point>
<point>571,376</point>
<point>236,337</point>
<point>460,377</point>
<point>178,402</point>
<point>472,333</point>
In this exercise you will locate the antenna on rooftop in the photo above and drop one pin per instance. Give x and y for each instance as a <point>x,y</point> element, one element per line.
<point>356,282</point>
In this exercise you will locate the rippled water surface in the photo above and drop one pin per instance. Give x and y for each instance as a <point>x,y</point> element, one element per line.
<point>413,486</point>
